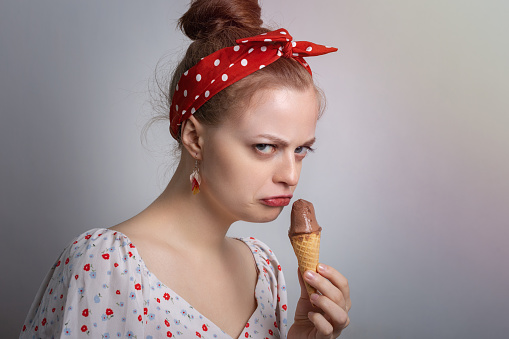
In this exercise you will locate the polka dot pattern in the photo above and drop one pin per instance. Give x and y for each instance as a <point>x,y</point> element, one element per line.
<point>230,64</point>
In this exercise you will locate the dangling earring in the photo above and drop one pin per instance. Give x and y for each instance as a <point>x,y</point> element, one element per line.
<point>195,179</point>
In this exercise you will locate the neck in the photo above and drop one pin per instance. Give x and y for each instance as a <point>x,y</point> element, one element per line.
<point>185,221</point>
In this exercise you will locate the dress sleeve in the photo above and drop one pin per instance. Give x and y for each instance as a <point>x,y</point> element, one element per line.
<point>89,293</point>
<point>273,273</point>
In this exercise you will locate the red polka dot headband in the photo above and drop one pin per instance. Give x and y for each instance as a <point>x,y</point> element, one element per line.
<point>228,65</point>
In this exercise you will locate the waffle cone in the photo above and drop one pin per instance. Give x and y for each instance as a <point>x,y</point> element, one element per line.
<point>307,248</point>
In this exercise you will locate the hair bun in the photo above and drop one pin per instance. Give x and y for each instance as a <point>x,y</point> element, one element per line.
<point>209,17</point>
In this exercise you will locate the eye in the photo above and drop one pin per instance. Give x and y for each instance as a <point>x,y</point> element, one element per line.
<point>303,150</point>
<point>265,148</point>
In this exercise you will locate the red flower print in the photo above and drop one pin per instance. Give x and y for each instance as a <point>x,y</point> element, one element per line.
<point>36,328</point>
<point>66,261</point>
<point>86,267</point>
<point>279,267</point>
<point>61,296</point>
<point>76,277</point>
<point>85,312</point>
<point>117,292</point>
<point>198,334</point>
<point>284,307</point>
<point>275,324</point>
<point>267,260</point>
<point>75,242</point>
<point>106,256</point>
<point>247,325</point>
<point>99,235</point>
<point>204,327</point>
<point>24,328</point>
<point>145,311</point>
<point>109,311</point>
<point>166,296</point>
<point>43,322</point>
<point>84,328</point>
<point>169,334</point>
<point>158,300</point>
<point>87,237</point>
<point>130,254</point>
<point>278,299</point>
<point>140,318</point>
<point>166,322</point>
<point>58,263</point>
<point>53,310</point>
<point>115,264</point>
<point>50,291</point>
<point>137,287</point>
<point>270,332</point>
<point>131,245</point>
<point>247,335</point>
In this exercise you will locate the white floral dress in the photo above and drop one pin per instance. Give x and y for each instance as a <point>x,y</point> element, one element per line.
<point>100,288</point>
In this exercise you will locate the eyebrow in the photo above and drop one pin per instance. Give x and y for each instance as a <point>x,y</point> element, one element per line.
<point>284,143</point>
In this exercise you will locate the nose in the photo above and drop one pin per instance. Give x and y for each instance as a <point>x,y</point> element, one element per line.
<point>288,171</point>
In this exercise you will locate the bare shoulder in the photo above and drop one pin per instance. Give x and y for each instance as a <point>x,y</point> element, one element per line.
<point>131,229</point>
<point>245,257</point>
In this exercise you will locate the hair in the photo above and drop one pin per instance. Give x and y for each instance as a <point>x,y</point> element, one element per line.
<point>216,24</point>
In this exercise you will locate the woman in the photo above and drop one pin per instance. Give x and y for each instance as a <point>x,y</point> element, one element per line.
<point>243,110</point>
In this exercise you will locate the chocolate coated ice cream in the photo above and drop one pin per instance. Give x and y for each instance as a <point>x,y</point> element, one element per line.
<point>303,218</point>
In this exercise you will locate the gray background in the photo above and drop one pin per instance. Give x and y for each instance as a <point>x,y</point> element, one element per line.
<point>410,180</point>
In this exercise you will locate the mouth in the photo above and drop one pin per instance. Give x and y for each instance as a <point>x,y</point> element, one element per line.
<point>278,201</point>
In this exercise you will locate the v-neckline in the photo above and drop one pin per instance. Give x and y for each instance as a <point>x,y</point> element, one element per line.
<point>155,280</point>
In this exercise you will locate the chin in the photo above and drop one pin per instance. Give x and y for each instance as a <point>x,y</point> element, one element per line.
<point>267,214</point>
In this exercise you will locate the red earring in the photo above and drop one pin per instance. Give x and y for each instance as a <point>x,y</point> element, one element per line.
<point>195,179</point>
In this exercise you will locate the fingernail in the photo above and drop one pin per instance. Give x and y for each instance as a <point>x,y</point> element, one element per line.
<point>310,274</point>
<point>322,267</point>
<point>314,296</point>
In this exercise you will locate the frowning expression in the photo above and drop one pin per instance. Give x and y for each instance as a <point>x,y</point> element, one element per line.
<point>251,163</point>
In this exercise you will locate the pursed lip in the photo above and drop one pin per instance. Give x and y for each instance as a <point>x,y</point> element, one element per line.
<point>276,201</point>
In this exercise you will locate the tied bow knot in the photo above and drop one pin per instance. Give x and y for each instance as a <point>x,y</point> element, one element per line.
<point>287,50</point>
<point>282,42</point>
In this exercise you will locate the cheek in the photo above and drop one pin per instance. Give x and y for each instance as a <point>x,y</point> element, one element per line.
<point>236,173</point>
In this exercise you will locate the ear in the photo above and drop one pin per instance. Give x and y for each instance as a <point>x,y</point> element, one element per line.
<point>192,137</point>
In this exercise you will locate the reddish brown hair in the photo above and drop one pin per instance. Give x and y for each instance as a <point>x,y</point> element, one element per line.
<point>216,24</point>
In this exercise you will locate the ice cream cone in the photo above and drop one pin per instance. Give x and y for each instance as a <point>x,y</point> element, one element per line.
<point>307,248</point>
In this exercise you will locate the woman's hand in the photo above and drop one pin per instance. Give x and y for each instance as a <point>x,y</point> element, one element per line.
<point>330,315</point>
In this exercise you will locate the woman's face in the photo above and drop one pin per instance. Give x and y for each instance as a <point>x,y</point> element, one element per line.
<point>251,164</point>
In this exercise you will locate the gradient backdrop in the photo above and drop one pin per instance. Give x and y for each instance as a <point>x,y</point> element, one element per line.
<point>410,180</point>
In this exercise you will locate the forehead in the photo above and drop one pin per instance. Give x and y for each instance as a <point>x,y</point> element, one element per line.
<point>284,112</point>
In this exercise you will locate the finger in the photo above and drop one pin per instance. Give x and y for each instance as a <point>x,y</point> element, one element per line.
<point>326,288</point>
<point>324,328</point>
<point>337,280</point>
<point>337,315</point>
